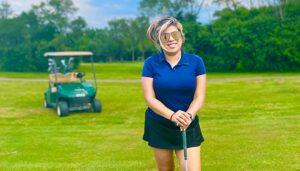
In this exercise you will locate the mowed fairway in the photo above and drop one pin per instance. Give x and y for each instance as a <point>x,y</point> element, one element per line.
<point>247,125</point>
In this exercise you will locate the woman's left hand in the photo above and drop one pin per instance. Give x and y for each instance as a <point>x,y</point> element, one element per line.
<point>182,119</point>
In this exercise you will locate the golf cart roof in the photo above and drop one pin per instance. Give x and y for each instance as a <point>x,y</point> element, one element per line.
<point>69,53</point>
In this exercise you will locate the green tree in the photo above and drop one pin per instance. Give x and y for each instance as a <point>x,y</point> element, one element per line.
<point>57,13</point>
<point>5,10</point>
<point>141,26</point>
<point>118,33</point>
<point>180,9</point>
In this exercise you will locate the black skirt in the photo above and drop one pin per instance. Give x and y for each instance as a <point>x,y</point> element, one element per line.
<point>166,135</point>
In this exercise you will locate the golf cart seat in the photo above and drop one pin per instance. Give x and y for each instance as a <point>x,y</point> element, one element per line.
<point>64,78</point>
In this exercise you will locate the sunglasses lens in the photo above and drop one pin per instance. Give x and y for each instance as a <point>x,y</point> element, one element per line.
<point>176,35</point>
<point>165,37</point>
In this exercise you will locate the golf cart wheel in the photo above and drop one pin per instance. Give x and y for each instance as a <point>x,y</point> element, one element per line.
<point>46,104</point>
<point>96,105</point>
<point>62,109</point>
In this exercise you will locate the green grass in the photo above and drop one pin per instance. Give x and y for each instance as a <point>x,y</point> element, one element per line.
<point>23,75</point>
<point>115,70</point>
<point>247,125</point>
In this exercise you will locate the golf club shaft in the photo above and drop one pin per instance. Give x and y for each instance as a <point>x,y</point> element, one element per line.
<point>185,149</point>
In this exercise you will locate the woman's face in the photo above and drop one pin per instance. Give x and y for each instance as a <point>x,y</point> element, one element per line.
<point>171,40</point>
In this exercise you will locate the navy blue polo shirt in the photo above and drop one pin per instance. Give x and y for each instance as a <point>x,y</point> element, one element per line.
<point>174,87</point>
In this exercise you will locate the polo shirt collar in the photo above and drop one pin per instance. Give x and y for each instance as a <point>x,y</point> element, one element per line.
<point>183,60</point>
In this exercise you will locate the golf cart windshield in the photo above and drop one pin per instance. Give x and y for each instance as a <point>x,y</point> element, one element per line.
<point>65,67</point>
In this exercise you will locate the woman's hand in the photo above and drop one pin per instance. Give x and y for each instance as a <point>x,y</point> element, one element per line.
<point>182,119</point>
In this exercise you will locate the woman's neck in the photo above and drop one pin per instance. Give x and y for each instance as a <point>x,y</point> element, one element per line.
<point>173,58</point>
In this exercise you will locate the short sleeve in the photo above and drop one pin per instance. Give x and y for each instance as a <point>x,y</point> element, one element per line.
<point>147,69</point>
<point>200,67</point>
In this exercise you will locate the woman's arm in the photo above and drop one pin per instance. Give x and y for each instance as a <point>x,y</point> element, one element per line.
<point>180,117</point>
<point>199,96</point>
<point>151,101</point>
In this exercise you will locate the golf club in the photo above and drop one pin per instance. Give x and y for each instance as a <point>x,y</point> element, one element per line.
<point>184,149</point>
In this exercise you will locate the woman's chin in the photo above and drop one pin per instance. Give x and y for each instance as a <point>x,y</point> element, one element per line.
<point>172,50</point>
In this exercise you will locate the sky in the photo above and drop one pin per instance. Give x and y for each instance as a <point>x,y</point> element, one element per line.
<point>98,12</point>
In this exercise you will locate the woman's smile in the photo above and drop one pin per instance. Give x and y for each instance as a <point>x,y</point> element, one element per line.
<point>172,45</point>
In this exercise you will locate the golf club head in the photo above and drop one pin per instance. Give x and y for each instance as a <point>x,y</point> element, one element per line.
<point>63,62</point>
<point>51,61</point>
<point>70,60</point>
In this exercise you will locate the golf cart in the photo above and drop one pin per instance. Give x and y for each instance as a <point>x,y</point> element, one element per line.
<point>68,90</point>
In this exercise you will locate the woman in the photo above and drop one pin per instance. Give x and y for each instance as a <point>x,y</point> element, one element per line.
<point>174,84</point>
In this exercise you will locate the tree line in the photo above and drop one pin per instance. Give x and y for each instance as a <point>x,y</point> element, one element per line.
<point>239,38</point>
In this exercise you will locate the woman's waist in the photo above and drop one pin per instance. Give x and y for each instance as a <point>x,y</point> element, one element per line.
<point>150,114</point>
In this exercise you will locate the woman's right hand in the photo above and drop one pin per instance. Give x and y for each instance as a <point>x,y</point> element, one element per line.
<point>182,119</point>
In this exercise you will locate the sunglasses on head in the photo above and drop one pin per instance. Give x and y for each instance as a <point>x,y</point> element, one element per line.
<point>165,37</point>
